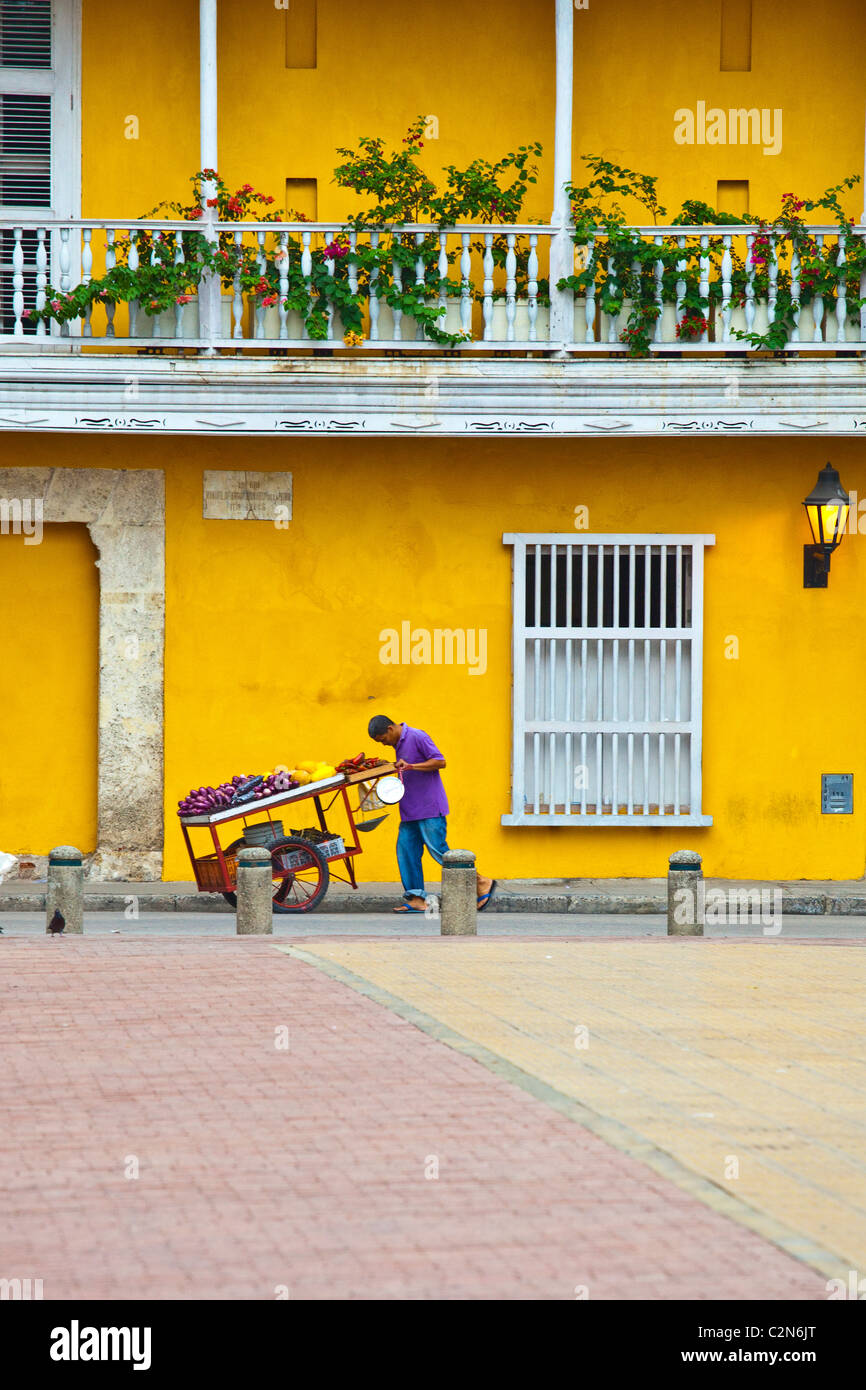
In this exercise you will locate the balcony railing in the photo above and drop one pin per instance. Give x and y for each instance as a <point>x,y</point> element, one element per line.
<point>497,298</point>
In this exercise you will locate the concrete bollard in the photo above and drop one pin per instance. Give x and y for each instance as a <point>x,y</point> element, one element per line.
<point>459,894</point>
<point>65,891</point>
<point>685,894</point>
<point>255,912</point>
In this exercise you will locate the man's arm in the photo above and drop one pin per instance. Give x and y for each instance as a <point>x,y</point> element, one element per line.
<point>431,765</point>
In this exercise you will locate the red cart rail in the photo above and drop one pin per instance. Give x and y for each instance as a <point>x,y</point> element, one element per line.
<point>301,868</point>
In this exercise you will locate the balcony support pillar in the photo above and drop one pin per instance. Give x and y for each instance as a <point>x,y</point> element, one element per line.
<point>561,246</point>
<point>209,292</point>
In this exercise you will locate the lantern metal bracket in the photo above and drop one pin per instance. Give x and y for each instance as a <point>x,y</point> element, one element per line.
<point>816,567</point>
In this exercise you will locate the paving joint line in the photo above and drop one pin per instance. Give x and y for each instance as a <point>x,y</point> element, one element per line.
<point>609,1130</point>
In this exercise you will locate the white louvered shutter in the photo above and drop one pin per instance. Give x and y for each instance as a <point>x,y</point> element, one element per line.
<point>608,661</point>
<point>36,127</point>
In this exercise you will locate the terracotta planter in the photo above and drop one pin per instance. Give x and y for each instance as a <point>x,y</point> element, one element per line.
<point>163,325</point>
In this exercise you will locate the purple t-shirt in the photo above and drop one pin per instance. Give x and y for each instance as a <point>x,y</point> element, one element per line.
<point>424,795</point>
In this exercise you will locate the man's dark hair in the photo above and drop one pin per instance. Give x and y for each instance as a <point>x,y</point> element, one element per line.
<point>378,724</point>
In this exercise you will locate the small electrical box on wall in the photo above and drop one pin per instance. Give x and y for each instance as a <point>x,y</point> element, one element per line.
<point>837,793</point>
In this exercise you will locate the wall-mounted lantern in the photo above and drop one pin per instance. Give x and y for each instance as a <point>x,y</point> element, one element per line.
<point>827,510</point>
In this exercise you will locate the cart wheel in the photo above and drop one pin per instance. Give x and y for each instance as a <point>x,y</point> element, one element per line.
<point>295,890</point>
<point>232,898</point>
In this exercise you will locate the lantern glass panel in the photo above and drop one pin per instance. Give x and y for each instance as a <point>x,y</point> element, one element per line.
<point>827,522</point>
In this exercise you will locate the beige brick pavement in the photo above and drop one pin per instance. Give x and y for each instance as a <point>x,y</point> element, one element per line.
<point>745,1062</point>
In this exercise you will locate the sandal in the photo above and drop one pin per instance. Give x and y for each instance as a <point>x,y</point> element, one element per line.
<point>485,897</point>
<point>404,908</point>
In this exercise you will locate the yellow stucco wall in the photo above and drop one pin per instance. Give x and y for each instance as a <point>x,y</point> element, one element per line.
<point>49,608</point>
<point>487,74</point>
<point>272,637</point>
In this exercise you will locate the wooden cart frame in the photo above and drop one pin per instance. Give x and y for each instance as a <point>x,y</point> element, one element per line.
<point>302,869</point>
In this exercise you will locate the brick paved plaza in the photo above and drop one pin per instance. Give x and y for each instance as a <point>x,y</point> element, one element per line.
<point>439,1124</point>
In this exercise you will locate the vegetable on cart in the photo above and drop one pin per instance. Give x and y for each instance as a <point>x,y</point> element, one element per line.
<point>302,862</point>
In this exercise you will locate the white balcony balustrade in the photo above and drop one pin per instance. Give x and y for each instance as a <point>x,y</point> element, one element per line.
<point>483,288</point>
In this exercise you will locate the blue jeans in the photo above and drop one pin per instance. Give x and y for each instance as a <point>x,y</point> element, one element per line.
<point>412,836</point>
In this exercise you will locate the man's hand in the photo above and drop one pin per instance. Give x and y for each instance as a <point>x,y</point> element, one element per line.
<point>402,766</point>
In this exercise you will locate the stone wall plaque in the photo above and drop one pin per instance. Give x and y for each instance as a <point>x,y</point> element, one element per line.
<point>245,496</point>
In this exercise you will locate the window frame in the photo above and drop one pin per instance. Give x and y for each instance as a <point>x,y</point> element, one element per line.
<point>520,543</point>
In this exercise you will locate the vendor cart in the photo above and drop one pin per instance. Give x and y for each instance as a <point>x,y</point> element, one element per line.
<point>303,863</point>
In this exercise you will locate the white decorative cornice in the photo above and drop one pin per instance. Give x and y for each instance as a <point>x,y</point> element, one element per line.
<point>95,393</point>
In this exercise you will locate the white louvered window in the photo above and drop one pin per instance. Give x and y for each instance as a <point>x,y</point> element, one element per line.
<point>608,647</point>
<point>39,157</point>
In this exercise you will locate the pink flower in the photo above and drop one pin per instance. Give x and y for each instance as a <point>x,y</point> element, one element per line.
<point>56,305</point>
<point>335,250</point>
<point>183,299</point>
<point>269,300</point>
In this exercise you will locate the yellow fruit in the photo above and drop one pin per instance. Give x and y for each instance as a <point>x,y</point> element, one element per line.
<point>308,767</point>
<point>301,776</point>
<point>322,771</point>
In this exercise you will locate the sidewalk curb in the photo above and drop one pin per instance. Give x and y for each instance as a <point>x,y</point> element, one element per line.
<point>841,904</point>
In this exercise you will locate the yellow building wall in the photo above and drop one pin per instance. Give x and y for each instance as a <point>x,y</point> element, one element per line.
<point>640,61</point>
<point>487,74</point>
<point>49,611</point>
<point>273,637</point>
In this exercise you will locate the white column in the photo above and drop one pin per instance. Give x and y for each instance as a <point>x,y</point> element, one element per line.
<point>209,290</point>
<point>561,246</point>
<point>208,83</point>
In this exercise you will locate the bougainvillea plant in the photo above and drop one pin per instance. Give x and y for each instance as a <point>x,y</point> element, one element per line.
<point>786,265</point>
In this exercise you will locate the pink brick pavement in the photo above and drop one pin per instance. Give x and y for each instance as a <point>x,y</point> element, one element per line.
<point>306,1168</point>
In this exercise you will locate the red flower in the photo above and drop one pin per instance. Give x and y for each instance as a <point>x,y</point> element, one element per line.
<point>213,202</point>
<point>269,300</point>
